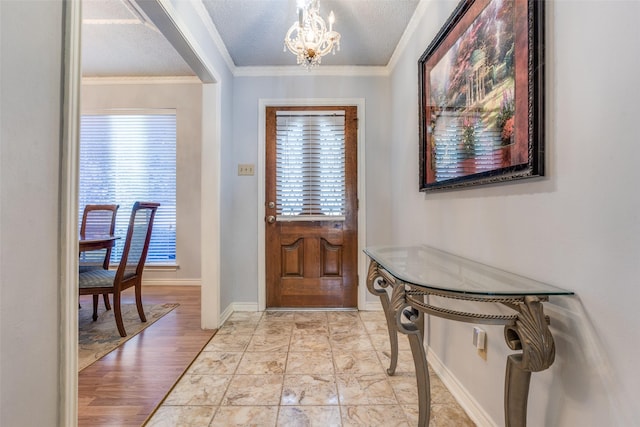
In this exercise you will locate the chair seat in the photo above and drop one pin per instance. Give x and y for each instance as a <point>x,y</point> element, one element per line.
<point>99,278</point>
<point>85,268</point>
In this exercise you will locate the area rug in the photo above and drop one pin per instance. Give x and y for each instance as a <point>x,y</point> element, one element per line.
<point>95,339</point>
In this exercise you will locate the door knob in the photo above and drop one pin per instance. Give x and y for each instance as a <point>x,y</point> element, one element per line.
<point>271,219</point>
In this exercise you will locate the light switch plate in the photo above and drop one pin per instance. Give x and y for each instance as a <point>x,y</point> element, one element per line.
<point>245,169</point>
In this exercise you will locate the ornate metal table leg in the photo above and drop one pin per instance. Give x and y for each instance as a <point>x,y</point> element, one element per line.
<point>531,334</point>
<point>414,332</point>
<point>373,276</point>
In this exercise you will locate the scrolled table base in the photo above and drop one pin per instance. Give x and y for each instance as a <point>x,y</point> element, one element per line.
<point>527,330</point>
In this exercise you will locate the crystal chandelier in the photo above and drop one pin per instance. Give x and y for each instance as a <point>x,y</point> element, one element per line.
<point>308,38</point>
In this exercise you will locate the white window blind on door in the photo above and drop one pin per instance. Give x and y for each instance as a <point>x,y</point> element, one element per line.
<point>126,158</point>
<point>310,165</point>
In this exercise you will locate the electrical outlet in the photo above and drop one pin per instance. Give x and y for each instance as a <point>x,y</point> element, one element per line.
<point>479,338</point>
<point>245,170</point>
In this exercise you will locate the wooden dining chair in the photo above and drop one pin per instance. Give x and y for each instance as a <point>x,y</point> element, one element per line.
<point>97,220</point>
<point>129,273</point>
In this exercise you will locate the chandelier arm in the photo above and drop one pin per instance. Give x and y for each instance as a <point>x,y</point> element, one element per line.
<point>308,38</point>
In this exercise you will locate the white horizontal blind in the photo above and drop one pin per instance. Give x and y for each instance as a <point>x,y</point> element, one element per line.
<point>126,158</point>
<point>310,164</point>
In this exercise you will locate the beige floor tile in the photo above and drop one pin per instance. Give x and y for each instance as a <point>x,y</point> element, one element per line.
<point>376,326</point>
<point>372,315</point>
<point>304,368</point>
<point>310,328</point>
<point>365,389</point>
<point>251,390</point>
<point>449,416</point>
<point>338,328</point>
<point>405,389</point>
<point>405,361</point>
<point>228,343</point>
<point>273,328</point>
<point>304,362</point>
<point>381,342</point>
<point>270,343</point>
<point>439,393</point>
<point>311,416</point>
<point>246,316</point>
<point>374,415</point>
<point>228,416</point>
<point>319,317</point>
<point>357,362</point>
<point>237,327</point>
<point>262,362</point>
<point>184,416</point>
<point>441,416</point>
<point>278,315</point>
<point>351,341</point>
<point>343,316</point>
<point>209,362</point>
<point>194,390</point>
<point>309,342</point>
<point>317,390</point>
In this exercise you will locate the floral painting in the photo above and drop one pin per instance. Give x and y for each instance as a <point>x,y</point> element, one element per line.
<point>477,88</point>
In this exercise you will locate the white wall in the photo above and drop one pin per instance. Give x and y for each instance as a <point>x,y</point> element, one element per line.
<point>186,99</point>
<point>30,108</point>
<point>578,228</point>
<point>239,233</point>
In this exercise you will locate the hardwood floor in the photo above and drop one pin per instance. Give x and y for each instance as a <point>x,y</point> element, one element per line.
<point>124,387</point>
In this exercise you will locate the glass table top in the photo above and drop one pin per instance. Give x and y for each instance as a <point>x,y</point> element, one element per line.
<point>438,270</point>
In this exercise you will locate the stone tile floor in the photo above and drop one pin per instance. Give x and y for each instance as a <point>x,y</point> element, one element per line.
<point>303,368</point>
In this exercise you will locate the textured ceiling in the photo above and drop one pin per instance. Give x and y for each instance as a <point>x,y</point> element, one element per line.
<point>118,40</point>
<point>253,30</point>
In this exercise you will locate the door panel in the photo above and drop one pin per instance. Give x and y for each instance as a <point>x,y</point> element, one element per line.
<point>311,263</point>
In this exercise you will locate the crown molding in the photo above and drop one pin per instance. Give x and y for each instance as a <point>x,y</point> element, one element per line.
<point>417,16</point>
<point>298,71</point>
<point>201,10</point>
<point>136,80</point>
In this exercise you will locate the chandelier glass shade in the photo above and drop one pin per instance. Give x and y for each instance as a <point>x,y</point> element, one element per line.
<point>309,38</point>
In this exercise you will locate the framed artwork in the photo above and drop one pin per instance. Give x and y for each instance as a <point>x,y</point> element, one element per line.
<point>482,96</point>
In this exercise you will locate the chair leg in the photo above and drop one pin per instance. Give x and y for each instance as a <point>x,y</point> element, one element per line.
<point>107,305</point>
<point>95,307</point>
<point>118,314</point>
<point>138,289</point>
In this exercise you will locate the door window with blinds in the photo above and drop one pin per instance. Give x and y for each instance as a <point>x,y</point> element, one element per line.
<point>126,158</point>
<point>310,165</point>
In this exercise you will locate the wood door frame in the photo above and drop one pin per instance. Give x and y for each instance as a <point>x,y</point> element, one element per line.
<point>210,199</point>
<point>310,102</point>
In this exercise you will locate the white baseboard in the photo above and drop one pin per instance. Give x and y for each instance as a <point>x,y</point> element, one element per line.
<point>237,306</point>
<point>372,306</point>
<point>477,414</point>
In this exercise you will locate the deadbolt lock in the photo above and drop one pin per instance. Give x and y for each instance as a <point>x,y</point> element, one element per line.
<point>271,205</point>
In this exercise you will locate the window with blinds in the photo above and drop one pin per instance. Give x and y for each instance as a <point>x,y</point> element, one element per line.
<point>310,165</point>
<point>126,158</point>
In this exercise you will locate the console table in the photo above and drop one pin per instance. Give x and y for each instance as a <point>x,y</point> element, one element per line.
<point>415,274</point>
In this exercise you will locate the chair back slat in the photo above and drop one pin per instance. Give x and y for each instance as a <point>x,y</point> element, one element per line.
<point>136,245</point>
<point>98,220</point>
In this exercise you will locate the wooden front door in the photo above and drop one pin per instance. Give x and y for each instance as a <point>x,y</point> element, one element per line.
<point>311,207</point>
